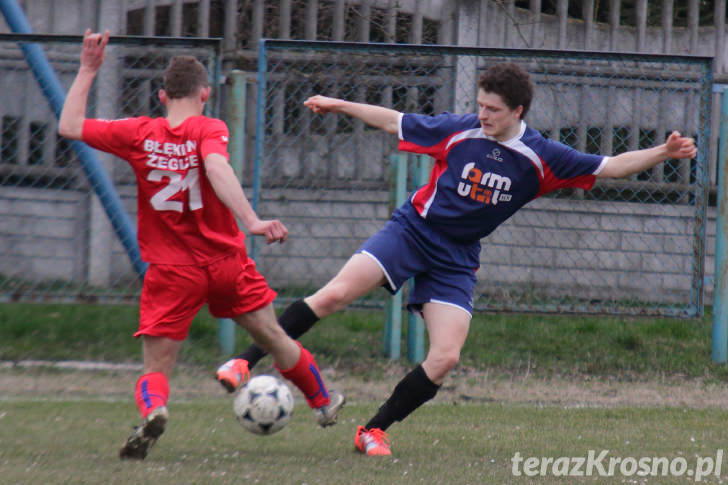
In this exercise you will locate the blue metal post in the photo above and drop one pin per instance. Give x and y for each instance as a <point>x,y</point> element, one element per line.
<point>236,121</point>
<point>415,324</point>
<point>720,299</point>
<point>702,180</point>
<point>97,176</point>
<point>393,327</point>
<point>259,133</point>
<point>236,125</point>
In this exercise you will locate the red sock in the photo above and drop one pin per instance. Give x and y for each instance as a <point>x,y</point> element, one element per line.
<point>306,376</point>
<point>152,391</point>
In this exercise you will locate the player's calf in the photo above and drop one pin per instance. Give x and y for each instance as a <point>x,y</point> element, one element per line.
<point>306,376</point>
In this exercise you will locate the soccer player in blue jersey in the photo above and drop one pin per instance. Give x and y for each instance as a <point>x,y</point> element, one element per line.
<point>487,166</point>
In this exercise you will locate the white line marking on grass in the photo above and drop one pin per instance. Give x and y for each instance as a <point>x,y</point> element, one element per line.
<point>70,364</point>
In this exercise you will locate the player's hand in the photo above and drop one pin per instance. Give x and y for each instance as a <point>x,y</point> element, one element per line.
<point>273,230</point>
<point>93,53</point>
<point>321,104</point>
<point>679,146</point>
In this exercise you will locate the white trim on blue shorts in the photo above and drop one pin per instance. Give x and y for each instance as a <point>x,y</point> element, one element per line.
<point>384,270</point>
<point>432,300</point>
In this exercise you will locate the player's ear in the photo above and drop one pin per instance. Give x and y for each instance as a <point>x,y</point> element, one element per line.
<point>205,94</point>
<point>518,111</point>
<point>162,97</point>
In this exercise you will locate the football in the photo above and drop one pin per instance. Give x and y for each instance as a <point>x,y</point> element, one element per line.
<point>264,405</point>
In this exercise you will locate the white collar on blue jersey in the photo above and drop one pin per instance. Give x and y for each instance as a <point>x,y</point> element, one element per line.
<point>479,133</point>
<point>521,131</point>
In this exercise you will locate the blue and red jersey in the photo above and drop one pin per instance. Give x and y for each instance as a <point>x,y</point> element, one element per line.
<point>477,182</point>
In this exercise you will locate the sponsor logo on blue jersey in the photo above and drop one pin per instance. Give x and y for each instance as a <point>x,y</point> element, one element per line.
<point>487,188</point>
<point>495,155</point>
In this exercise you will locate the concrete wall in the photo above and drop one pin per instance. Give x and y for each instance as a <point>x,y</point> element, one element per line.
<point>41,234</point>
<point>595,250</point>
<point>555,247</point>
<point>614,250</point>
<point>552,248</point>
<point>498,24</point>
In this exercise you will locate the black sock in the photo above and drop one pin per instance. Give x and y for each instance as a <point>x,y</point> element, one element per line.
<point>296,320</point>
<point>411,392</point>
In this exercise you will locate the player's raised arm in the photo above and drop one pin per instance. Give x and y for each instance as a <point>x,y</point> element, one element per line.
<point>226,186</point>
<point>377,116</point>
<point>623,165</point>
<point>73,114</point>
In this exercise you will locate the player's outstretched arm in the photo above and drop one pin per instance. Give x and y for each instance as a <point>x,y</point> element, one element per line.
<point>629,163</point>
<point>377,116</point>
<point>226,186</point>
<point>73,114</point>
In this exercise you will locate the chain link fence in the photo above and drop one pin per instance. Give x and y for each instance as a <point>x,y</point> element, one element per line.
<point>56,240</point>
<point>632,246</point>
<point>628,246</point>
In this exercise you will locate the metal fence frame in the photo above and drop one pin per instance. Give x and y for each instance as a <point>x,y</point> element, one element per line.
<point>699,189</point>
<point>95,173</point>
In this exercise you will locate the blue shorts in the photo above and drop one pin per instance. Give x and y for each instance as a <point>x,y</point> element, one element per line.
<point>443,269</point>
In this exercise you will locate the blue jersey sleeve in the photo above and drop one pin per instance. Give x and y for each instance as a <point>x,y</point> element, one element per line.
<point>568,168</point>
<point>430,134</point>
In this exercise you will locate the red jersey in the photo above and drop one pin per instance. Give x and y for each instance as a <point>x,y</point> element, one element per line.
<point>180,219</point>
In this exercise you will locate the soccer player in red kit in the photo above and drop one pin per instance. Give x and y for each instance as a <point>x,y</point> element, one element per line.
<point>188,199</point>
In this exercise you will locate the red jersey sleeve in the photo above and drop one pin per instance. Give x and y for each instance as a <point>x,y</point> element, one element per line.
<point>214,138</point>
<point>112,136</point>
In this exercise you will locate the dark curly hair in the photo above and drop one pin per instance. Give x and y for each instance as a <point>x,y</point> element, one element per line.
<point>512,83</point>
<point>184,76</point>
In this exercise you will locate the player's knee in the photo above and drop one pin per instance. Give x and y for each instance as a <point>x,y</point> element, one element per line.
<point>265,332</point>
<point>273,334</point>
<point>331,299</point>
<point>443,362</point>
<point>450,360</point>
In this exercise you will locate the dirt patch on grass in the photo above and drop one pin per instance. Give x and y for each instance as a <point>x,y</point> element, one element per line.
<point>41,381</point>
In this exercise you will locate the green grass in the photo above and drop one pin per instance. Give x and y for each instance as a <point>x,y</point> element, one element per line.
<point>537,344</point>
<point>77,442</point>
<point>75,438</point>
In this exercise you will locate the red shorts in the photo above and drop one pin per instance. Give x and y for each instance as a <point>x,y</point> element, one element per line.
<point>172,295</point>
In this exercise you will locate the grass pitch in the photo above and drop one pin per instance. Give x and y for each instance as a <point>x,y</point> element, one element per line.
<point>352,341</point>
<point>541,386</point>
<point>78,441</point>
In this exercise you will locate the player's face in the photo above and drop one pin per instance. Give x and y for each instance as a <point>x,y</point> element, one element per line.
<point>496,118</point>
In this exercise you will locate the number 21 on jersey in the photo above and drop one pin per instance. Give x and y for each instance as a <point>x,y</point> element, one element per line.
<point>177,183</point>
